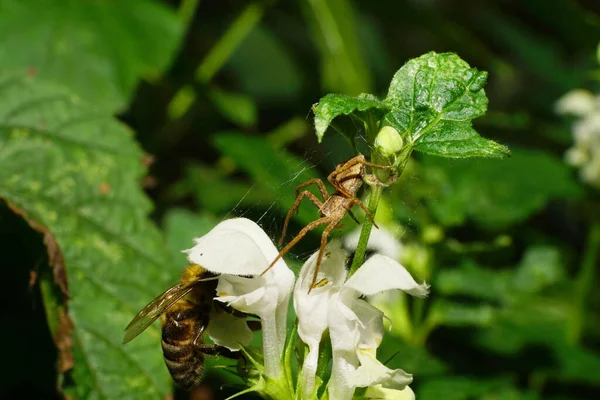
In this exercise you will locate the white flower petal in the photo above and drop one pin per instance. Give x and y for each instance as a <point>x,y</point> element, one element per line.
<point>371,324</point>
<point>226,330</point>
<point>236,246</point>
<point>380,273</point>
<point>372,372</point>
<point>381,393</point>
<point>381,241</point>
<point>576,102</point>
<point>311,308</point>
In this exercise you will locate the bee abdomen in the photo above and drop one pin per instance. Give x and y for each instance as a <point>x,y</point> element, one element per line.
<point>187,372</point>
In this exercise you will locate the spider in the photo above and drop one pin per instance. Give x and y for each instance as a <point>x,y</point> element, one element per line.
<point>347,180</point>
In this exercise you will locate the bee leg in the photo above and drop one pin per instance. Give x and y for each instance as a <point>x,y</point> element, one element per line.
<point>216,350</point>
<point>222,307</point>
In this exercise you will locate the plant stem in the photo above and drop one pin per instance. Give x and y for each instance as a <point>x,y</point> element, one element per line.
<point>229,42</point>
<point>584,282</point>
<point>361,248</point>
<point>186,11</point>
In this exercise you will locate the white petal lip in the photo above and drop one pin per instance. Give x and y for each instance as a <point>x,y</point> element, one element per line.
<point>236,246</point>
<point>380,273</point>
<point>226,330</point>
<point>372,372</point>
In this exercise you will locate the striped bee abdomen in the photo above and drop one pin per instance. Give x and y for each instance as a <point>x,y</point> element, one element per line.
<point>182,325</point>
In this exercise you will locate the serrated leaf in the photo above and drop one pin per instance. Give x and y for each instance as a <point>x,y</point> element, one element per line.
<point>433,99</point>
<point>99,49</point>
<point>334,105</point>
<point>77,172</point>
<point>496,195</point>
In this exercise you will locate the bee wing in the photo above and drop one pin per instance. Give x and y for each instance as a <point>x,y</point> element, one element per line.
<point>155,309</point>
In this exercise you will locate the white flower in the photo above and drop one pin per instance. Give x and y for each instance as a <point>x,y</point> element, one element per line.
<point>381,393</point>
<point>239,250</point>
<point>381,241</point>
<point>585,154</point>
<point>355,326</point>
<point>577,102</point>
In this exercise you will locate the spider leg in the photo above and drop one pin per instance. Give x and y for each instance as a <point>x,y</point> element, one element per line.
<point>369,164</point>
<point>349,164</point>
<point>299,198</point>
<point>352,216</point>
<point>326,232</point>
<point>365,209</point>
<point>300,235</point>
<point>331,178</point>
<point>314,181</point>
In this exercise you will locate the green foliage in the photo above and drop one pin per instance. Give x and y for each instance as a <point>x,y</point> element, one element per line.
<point>98,49</point>
<point>365,108</point>
<point>77,172</point>
<point>496,195</point>
<point>431,102</point>
<point>510,247</point>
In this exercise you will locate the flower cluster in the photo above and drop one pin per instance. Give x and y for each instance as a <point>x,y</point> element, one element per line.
<point>334,314</point>
<point>585,154</point>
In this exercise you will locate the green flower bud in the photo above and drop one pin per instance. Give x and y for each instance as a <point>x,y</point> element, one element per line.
<point>388,141</point>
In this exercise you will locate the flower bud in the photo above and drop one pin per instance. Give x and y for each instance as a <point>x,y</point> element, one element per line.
<point>388,141</point>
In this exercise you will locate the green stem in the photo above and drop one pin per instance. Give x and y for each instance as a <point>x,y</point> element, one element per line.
<point>361,248</point>
<point>186,11</point>
<point>229,42</point>
<point>584,282</point>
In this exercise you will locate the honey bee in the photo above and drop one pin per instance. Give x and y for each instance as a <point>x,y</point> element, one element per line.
<point>184,310</point>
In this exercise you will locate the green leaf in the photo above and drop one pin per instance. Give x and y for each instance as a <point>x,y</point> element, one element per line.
<point>181,227</point>
<point>540,267</point>
<point>365,107</point>
<point>472,280</point>
<point>450,313</point>
<point>77,172</point>
<point>273,81</point>
<point>99,49</point>
<point>235,107</point>
<point>433,99</point>
<point>577,364</point>
<point>496,195</point>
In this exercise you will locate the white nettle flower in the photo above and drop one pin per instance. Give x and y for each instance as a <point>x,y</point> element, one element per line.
<point>239,250</point>
<point>585,153</point>
<point>355,326</point>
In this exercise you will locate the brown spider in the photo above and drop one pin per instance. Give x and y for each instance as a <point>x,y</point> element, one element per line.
<point>347,180</point>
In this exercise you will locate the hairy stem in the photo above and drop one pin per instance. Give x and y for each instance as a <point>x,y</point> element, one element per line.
<point>361,248</point>
<point>584,282</point>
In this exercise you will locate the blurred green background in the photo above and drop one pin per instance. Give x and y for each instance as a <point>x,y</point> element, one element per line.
<point>217,97</point>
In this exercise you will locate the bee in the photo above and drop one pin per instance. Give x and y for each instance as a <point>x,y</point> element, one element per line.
<point>184,310</point>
